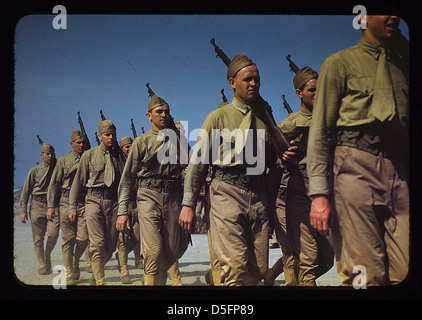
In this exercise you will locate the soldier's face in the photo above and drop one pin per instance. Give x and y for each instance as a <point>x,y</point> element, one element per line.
<point>381,28</point>
<point>307,94</point>
<point>159,117</point>
<point>47,158</point>
<point>79,145</point>
<point>107,139</point>
<point>126,149</point>
<point>246,84</point>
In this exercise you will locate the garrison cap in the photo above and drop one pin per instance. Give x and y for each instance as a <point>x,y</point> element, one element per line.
<point>239,62</point>
<point>106,126</point>
<point>75,135</point>
<point>303,76</point>
<point>125,140</point>
<point>155,102</point>
<point>47,148</point>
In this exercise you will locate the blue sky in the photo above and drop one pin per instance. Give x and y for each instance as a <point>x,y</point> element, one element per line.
<point>104,61</point>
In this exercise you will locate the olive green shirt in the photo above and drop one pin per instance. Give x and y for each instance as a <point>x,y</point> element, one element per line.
<point>229,117</point>
<point>344,99</point>
<point>141,163</point>
<point>90,173</point>
<point>36,183</point>
<point>62,177</point>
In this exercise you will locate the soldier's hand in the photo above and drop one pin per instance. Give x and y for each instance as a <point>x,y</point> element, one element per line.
<point>320,214</point>
<point>187,218</point>
<point>291,153</point>
<point>72,216</point>
<point>121,222</point>
<point>23,217</point>
<point>51,213</point>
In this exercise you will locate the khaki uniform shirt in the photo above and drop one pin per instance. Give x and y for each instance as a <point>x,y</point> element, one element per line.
<point>296,127</point>
<point>141,163</point>
<point>229,117</point>
<point>62,177</point>
<point>36,183</point>
<point>90,173</point>
<point>344,99</point>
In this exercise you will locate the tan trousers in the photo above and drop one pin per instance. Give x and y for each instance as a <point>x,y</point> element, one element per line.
<point>240,232</point>
<point>42,227</point>
<point>371,229</point>
<point>280,228</point>
<point>163,241</point>
<point>313,252</point>
<point>101,216</point>
<point>74,234</point>
<point>135,243</point>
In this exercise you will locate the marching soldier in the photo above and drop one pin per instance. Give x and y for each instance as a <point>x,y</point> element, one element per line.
<point>361,112</point>
<point>311,250</point>
<point>238,214</point>
<point>159,197</point>
<point>36,185</point>
<point>99,172</point>
<point>74,230</point>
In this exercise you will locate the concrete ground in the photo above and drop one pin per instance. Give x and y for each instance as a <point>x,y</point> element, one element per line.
<point>193,265</point>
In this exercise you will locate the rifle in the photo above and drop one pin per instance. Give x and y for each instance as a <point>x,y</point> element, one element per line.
<point>278,139</point>
<point>292,65</point>
<point>81,124</point>
<point>96,138</point>
<point>224,97</point>
<point>150,92</point>
<point>102,115</point>
<point>133,129</point>
<point>286,105</point>
<point>220,53</point>
<point>39,140</point>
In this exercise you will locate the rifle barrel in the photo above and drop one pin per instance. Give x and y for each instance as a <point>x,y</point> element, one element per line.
<point>220,53</point>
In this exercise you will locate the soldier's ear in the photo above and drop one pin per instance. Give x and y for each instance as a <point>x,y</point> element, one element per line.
<point>148,114</point>
<point>299,93</point>
<point>232,83</point>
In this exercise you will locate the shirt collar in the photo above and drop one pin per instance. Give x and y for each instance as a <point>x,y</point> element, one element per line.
<point>244,108</point>
<point>153,131</point>
<point>75,154</point>
<point>305,112</point>
<point>373,49</point>
<point>104,149</point>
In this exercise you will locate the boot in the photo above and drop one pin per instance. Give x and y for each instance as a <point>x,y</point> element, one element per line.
<point>149,279</point>
<point>290,277</point>
<point>98,272</point>
<point>79,251</point>
<point>39,253</point>
<point>49,246</point>
<point>216,277</point>
<point>76,271</point>
<point>174,274</point>
<point>273,273</point>
<point>124,272</point>
<point>68,264</point>
<point>139,264</point>
<point>208,278</point>
<point>88,267</point>
<point>161,278</point>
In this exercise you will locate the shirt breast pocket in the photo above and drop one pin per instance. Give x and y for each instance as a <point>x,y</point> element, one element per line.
<point>97,167</point>
<point>361,87</point>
